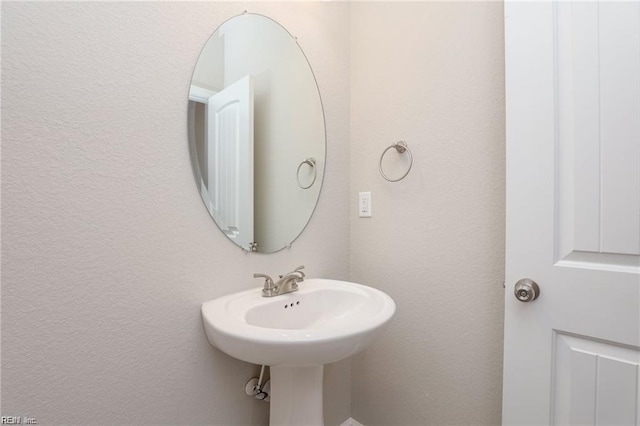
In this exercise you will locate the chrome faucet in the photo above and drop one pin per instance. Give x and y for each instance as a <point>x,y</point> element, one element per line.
<point>286,284</point>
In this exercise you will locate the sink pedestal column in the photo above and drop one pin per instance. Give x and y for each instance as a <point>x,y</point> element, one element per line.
<point>296,396</point>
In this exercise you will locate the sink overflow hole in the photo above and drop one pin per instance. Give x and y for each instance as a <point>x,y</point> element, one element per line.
<point>291,305</point>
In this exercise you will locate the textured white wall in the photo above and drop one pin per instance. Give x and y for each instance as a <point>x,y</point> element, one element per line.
<point>107,250</point>
<point>430,73</point>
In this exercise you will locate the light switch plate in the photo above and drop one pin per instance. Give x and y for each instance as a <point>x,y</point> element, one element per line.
<point>364,204</point>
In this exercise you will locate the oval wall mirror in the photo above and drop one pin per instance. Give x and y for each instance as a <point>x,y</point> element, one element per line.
<point>256,133</point>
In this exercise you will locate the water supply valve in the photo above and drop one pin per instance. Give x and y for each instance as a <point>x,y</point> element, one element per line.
<point>258,391</point>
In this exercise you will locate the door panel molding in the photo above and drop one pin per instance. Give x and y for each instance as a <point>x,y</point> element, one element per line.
<point>597,120</point>
<point>595,381</point>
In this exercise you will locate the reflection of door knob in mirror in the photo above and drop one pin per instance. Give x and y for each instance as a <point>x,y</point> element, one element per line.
<point>526,290</point>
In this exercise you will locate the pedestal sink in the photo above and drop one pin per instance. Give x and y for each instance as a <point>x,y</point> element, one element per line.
<point>296,334</point>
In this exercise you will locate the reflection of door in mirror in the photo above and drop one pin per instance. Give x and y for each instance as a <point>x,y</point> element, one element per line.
<point>227,174</point>
<point>230,160</point>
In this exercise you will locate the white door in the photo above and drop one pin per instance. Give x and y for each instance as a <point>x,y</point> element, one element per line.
<point>573,213</point>
<point>230,160</point>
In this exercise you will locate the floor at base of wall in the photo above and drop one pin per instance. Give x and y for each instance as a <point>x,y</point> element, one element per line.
<point>351,422</point>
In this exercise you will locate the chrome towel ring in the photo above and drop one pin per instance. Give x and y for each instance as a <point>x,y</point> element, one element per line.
<point>401,147</point>
<point>312,163</point>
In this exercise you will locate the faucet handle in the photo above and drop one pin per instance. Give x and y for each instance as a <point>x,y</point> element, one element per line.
<point>269,288</point>
<point>299,270</point>
<point>268,282</point>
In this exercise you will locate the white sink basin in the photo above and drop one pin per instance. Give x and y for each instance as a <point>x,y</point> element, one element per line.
<point>323,322</point>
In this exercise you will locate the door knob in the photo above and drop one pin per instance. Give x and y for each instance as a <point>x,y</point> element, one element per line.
<point>526,290</point>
